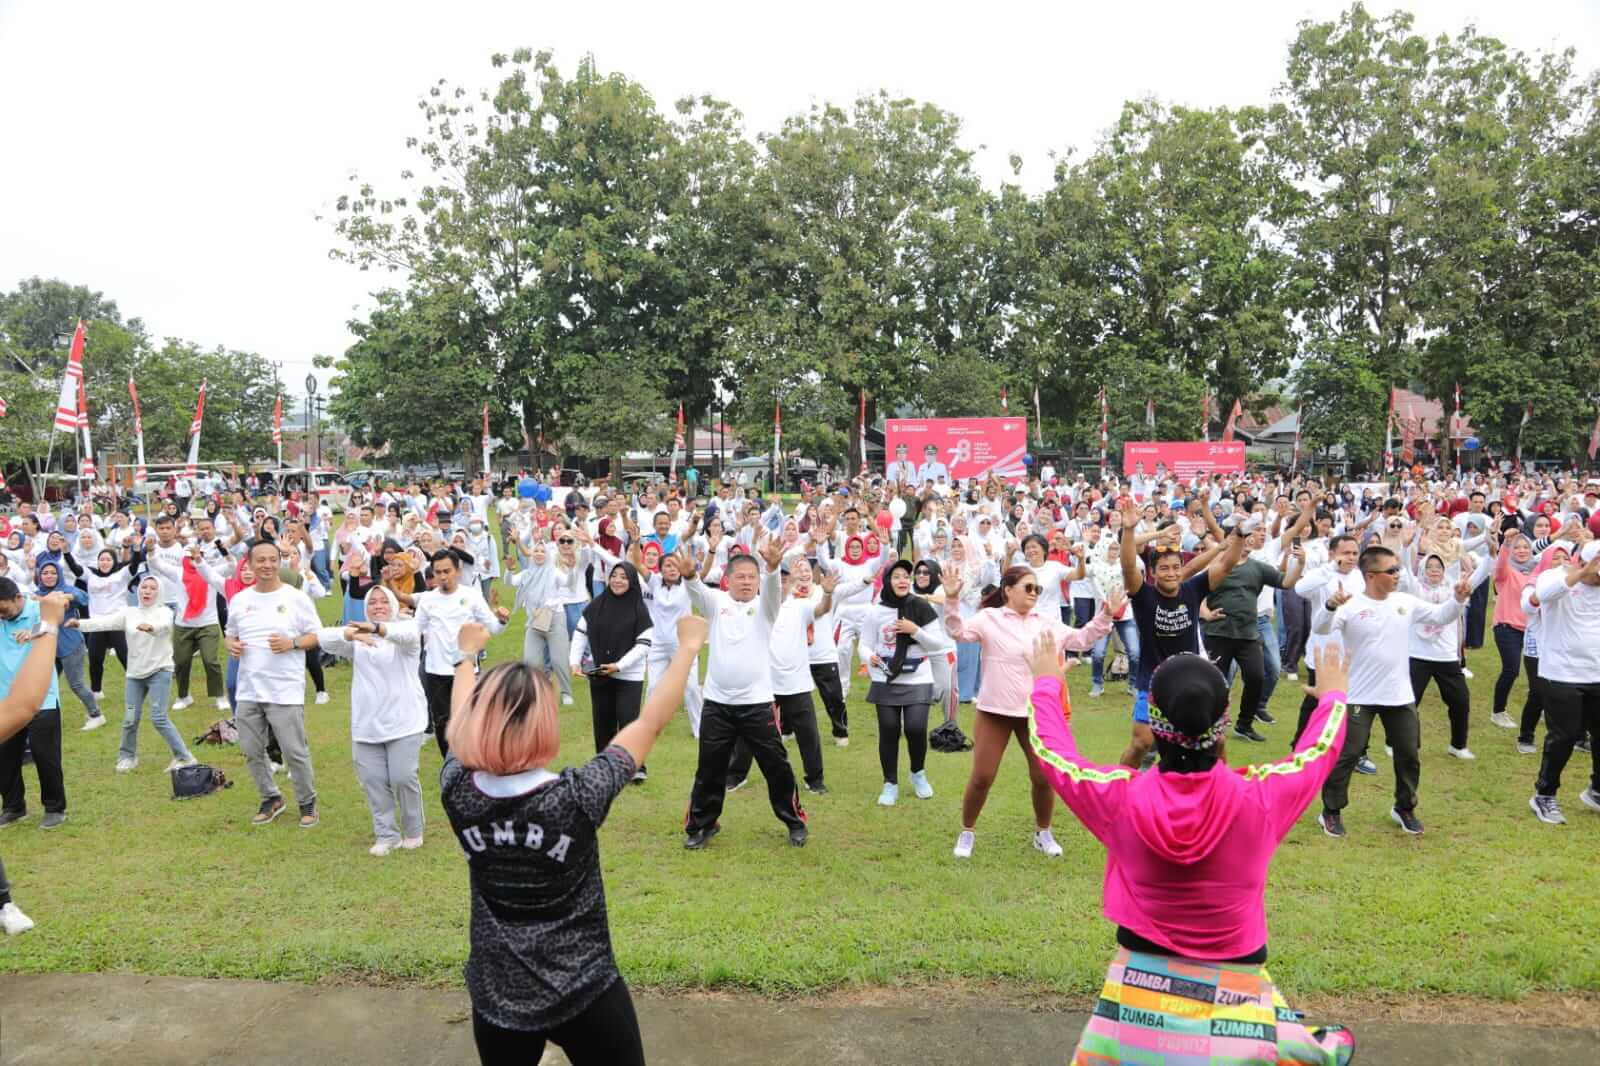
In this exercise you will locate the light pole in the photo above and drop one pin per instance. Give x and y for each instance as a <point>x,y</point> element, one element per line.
<point>311,412</point>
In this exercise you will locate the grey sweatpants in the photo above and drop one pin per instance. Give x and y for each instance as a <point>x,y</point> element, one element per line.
<point>554,644</point>
<point>388,773</point>
<point>288,721</point>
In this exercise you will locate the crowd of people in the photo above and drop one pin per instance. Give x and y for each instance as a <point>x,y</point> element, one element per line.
<point>939,593</point>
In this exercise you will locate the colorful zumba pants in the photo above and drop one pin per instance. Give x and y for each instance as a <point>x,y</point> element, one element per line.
<point>1161,1011</point>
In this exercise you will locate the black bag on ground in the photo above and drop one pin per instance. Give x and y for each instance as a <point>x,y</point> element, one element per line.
<point>189,782</point>
<point>949,737</point>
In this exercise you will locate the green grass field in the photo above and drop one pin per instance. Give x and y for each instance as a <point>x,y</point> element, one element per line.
<point>1489,903</point>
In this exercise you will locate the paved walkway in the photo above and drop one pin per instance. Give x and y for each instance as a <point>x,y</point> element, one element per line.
<point>140,1021</point>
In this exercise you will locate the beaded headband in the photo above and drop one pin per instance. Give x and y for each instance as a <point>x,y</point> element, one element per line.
<point>1163,728</point>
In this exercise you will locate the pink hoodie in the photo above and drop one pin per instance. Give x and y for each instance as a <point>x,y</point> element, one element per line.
<point>1187,854</point>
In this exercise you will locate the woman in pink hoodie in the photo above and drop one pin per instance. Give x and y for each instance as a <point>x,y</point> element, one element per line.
<point>1187,851</point>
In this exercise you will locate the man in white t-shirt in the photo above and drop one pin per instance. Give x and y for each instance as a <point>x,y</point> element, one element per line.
<point>440,614</point>
<point>1376,629</point>
<point>264,621</point>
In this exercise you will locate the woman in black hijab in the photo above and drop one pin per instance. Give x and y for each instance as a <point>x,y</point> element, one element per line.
<point>900,629</point>
<point>610,648</point>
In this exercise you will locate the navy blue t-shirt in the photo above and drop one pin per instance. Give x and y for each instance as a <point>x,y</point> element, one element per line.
<point>1168,625</point>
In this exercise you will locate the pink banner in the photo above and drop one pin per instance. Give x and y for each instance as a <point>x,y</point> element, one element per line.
<point>1182,459</point>
<point>924,448</point>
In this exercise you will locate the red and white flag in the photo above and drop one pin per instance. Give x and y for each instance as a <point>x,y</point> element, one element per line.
<point>1455,432</point>
<point>1233,416</point>
<point>677,446</point>
<point>277,421</point>
<point>1005,405</point>
<point>861,419</point>
<point>1594,434</point>
<point>193,466</point>
<point>1038,419</point>
<point>1527,416</point>
<point>1388,437</point>
<point>1205,417</point>
<point>1299,418</point>
<point>777,444</point>
<point>486,440</point>
<point>1150,415</point>
<point>139,473</point>
<point>67,403</point>
<point>83,427</point>
<point>1105,427</point>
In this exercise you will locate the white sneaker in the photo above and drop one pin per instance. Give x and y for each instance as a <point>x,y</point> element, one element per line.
<point>1292,676</point>
<point>1461,753</point>
<point>14,921</point>
<point>841,742</point>
<point>179,764</point>
<point>1466,673</point>
<point>920,785</point>
<point>98,696</point>
<point>1388,750</point>
<point>126,765</point>
<point>411,843</point>
<point>381,848</point>
<point>1590,799</point>
<point>1503,720</point>
<point>566,701</point>
<point>1045,841</point>
<point>223,704</point>
<point>275,767</point>
<point>890,793</point>
<point>1097,691</point>
<point>95,722</point>
<point>183,704</point>
<point>964,842</point>
<point>322,697</point>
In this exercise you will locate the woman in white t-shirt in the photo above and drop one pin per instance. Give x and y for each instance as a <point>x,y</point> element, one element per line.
<point>388,714</point>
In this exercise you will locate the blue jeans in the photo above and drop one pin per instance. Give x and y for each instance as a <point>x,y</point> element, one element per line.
<point>1269,658</point>
<point>233,682</point>
<point>969,671</point>
<point>319,566</point>
<point>156,688</point>
<point>1128,633</point>
<point>574,612</point>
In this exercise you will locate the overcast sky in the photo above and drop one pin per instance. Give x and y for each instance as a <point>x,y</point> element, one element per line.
<point>176,155</point>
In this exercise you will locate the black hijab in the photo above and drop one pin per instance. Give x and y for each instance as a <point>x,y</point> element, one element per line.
<point>909,606</point>
<point>613,623</point>
<point>935,577</point>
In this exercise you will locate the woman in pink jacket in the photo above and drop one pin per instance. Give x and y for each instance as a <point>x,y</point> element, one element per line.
<point>1007,627</point>
<point>1187,851</point>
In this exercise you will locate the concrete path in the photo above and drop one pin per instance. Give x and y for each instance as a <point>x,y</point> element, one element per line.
<point>140,1021</point>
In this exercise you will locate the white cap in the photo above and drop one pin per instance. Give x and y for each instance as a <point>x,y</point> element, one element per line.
<point>1590,550</point>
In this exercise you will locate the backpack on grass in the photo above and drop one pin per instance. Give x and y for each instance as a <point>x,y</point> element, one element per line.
<point>189,782</point>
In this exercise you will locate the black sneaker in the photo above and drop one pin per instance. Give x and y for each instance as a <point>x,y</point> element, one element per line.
<point>1263,716</point>
<point>701,837</point>
<point>1246,733</point>
<point>818,789</point>
<point>1547,810</point>
<point>640,776</point>
<point>11,817</point>
<point>1331,824</point>
<point>1406,820</point>
<point>734,786</point>
<point>797,836</point>
<point>270,809</point>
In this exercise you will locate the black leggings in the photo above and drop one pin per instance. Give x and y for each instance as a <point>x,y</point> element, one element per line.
<point>1533,707</point>
<point>314,668</point>
<point>1452,690</point>
<point>605,1034</point>
<point>99,644</point>
<point>916,728</point>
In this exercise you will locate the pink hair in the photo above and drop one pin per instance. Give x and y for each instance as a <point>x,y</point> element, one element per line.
<point>510,723</point>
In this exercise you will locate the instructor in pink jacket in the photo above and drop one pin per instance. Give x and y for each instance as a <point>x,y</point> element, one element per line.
<point>1187,850</point>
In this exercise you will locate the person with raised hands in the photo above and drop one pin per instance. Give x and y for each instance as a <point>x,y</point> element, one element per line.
<point>540,968</point>
<point>738,694</point>
<point>1375,627</point>
<point>1188,847</point>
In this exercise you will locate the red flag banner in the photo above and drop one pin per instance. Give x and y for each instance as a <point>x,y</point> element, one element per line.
<point>193,465</point>
<point>277,420</point>
<point>1594,434</point>
<point>67,402</point>
<point>139,474</point>
<point>1233,416</point>
<point>83,427</point>
<point>861,420</point>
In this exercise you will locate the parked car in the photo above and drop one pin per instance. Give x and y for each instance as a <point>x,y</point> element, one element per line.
<point>329,486</point>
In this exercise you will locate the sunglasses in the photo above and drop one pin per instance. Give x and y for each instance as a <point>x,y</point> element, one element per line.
<point>1391,571</point>
<point>1030,589</point>
<point>566,540</point>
